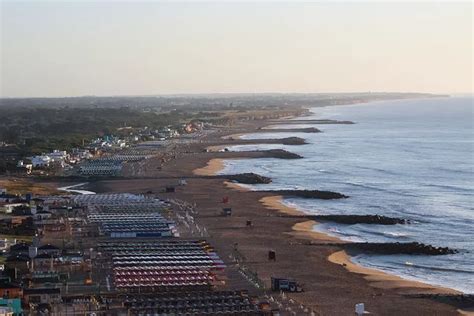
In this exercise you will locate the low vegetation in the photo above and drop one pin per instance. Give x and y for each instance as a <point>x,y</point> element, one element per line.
<point>23,186</point>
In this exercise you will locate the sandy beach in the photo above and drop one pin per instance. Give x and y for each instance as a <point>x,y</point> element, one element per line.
<point>384,280</point>
<point>305,229</point>
<point>237,158</point>
<point>212,168</point>
<point>332,283</point>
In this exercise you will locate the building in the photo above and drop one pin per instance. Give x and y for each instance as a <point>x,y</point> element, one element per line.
<point>20,264</point>
<point>43,262</point>
<point>5,197</point>
<point>21,248</point>
<point>42,215</point>
<point>9,290</point>
<point>17,225</point>
<point>49,249</point>
<point>41,161</point>
<point>13,306</point>
<point>42,296</point>
<point>42,277</point>
<point>6,311</point>
<point>3,245</point>
<point>7,208</point>
<point>24,167</point>
<point>58,157</point>
<point>101,167</point>
<point>79,154</point>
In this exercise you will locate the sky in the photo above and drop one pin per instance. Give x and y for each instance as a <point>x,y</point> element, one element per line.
<point>76,48</point>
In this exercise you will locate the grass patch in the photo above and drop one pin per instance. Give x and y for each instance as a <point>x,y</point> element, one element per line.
<point>17,237</point>
<point>23,186</point>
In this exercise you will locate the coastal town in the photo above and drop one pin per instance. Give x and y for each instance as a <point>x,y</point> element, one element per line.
<point>146,225</point>
<point>103,156</point>
<point>115,253</point>
<point>236,158</point>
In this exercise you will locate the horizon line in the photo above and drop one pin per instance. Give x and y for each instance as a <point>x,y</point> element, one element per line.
<point>202,94</point>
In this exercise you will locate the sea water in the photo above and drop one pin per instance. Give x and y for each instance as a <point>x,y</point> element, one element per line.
<point>412,159</point>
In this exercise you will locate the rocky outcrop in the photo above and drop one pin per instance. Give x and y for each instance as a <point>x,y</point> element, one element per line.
<point>312,122</point>
<point>290,130</point>
<point>309,194</point>
<point>237,141</point>
<point>271,153</point>
<point>292,141</point>
<point>410,248</point>
<point>247,178</point>
<point>354,219</point>
<point>359,219</point>
<point>281,154</point>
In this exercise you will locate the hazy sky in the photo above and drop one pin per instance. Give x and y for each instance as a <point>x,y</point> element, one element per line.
<point>71,48</point>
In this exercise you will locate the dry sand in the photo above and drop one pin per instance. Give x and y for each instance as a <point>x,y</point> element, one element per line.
<point>276,202</point>
<point>16,185</point>
<point>212,168</point>
<point>236,186</point>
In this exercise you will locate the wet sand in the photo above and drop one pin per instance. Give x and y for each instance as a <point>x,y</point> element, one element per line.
<point>235,136</point>
<point>303,229</point>
<point>384,280</point>
<point>216,148</point>
<point>212,168</point>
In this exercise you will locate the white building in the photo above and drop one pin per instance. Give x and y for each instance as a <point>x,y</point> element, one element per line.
<point>40,161</point>
<point>44,160</point>
<point>27,166</point>
<point>58,155</point>
<point>83,154</point>
<point>6,311</point>
<point>8,208</point>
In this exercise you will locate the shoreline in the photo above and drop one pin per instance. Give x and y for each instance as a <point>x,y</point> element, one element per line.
<point>233,136</point>
<point>213,167</point>
<point>68,189</point>
<point>302,254</point>
<point>376,278</point>
<point>380,279</point>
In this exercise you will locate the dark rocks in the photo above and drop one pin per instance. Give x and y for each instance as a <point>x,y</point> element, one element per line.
<point>271,153</point>
<point>310,194</point>
<point>284,141</point>
<point>410,248</point>
<point>354,219</point>
<point>312,122</point>
<point>247,178</point>
<point>281,154</point>
<point>359,219</point>
<point>290,130</point>
<point>292,141</point>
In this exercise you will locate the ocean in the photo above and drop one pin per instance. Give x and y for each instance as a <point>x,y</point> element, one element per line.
<point>412,159</point>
